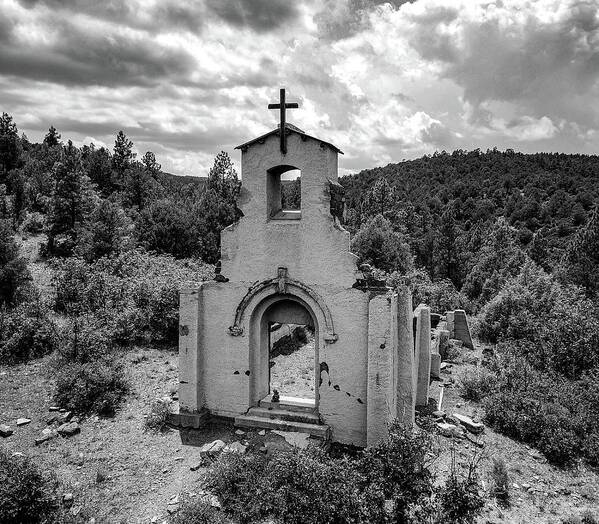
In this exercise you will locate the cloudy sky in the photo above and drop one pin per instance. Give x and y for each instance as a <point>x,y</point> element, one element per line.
<point>383,81</point>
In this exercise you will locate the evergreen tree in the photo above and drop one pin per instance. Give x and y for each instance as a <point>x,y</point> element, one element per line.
<point>376,243</point>
<point>151,166</point>
<point>72,200</point>
<point>122,157</point>
<point>98,167</point>
<point>223,178</point>
<point>139,187</point>
<point>580,262</point>
<point>382,200</point>
<point>106,231</point>
<point>13,268</point>
<point>52,137</point>
<point>9,146</point>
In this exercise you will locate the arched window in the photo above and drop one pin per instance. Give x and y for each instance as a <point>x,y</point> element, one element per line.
<point>283,189</point>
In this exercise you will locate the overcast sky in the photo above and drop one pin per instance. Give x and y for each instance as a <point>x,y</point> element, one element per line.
<point>382,81</point>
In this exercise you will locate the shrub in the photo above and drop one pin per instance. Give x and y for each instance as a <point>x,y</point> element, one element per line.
<point>97,387</point>
<point>376,243</point>
<point>90,377</point>
<point>553,413</point>
<point>14,274</point>
<point>136,293</point>
<point>34,223</point>
<point>197,511</point>
<point>460,497</point>
<point>500,482</point>
<point>477,383</point>
<point>160,410</point>
<point>26,494</point>
<point>26,332</point>
<point>400,466</point>
<point>293,487</point>
<point>440,295</point>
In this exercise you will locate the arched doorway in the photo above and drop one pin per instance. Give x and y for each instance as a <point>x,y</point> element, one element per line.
<point>284,310</point>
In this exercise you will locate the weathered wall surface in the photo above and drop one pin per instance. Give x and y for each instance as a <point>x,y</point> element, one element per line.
<point>314,249</point>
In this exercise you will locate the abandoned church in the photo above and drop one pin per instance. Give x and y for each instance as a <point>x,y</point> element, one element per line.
<point>371,352</point>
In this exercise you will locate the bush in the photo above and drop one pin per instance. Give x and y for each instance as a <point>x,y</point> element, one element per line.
<point>26,332</point>
<point>34,223</point>
<point>400,467</point>
<point>197,511</point>
<point>440,295</point>
<point>477,383</point>
<point>92,387</point>
<point>26,494</point>
<point>90,377</point>
<point>555,414</point>
<point>14,274</point>
<point>136,293</point>
<point>460,498</point>
<point>554,326</point>
<point>500,481</point>
<point>160,410</point>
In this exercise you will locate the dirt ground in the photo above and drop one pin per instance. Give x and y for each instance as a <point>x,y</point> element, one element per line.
<point>293,375</point>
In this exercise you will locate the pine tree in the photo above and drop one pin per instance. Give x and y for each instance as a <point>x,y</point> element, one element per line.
<point>52,137</point>
<point>151,166</point>
<point>72,199</point>
<point>122,157</point>
<point>9,146</point>
<point>382,200</point>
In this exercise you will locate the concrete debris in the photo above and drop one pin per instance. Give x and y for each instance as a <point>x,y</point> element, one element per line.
<point>47,434</point>
<point>299,440</point>
<point>449,430</point>
<point>235,447</point>
<point>69,429</point>
<point>23,421</point>
<point>212,449</point>
<point>5,431</point>
<point>469,424</point>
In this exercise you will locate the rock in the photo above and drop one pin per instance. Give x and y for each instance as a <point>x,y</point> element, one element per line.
<point>235,447</point>
<point>196,466</point>
<point>53,408</point>
<point>262,433</point>
<point>172,509</point>
<point>174,500</point>
<point>52,419</point>
<point>469,424</point>
<point>240,432</point>
<point>66,416</point>
<point>23,421</point>
<point>75,510</point>
<point>69,429</point>
<point>67,500</point>
<point>212,449</point>
<point>5,431</point>
<point>154,520</point>
<point>299,440</point>
<point>449,430</point>
<point>438,414</point>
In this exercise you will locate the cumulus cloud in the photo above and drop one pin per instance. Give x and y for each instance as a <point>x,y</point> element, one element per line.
<point>383,80</point>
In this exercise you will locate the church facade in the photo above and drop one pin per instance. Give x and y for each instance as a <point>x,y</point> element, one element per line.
<point>295,267</point>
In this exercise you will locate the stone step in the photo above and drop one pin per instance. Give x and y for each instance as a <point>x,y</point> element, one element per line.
<point>249,421</point>
<point>284,414</point>
<point>289,403</point>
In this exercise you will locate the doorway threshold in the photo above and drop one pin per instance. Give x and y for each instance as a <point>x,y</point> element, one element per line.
<point>290,403</point>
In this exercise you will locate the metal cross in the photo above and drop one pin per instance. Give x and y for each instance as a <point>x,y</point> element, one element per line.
<point>283,106</point>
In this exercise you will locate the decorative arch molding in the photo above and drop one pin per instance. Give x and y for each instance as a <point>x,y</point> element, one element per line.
<point>282,285</point>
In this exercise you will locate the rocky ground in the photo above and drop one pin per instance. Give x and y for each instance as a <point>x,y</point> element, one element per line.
<point>293,375</point>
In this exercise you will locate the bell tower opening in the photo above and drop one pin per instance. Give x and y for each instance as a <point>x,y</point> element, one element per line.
<point>284,193</point>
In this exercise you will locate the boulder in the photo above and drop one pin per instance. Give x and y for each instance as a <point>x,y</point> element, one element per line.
<point>449,430</point>
<point>212,449</point>
<point>23,421</point>
<point>469,424</point>
<point>235,447</point>
<point>69,429</point>
<point>5,431</point>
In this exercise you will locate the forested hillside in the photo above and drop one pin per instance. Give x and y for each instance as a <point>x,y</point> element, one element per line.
<point>448,207</point>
